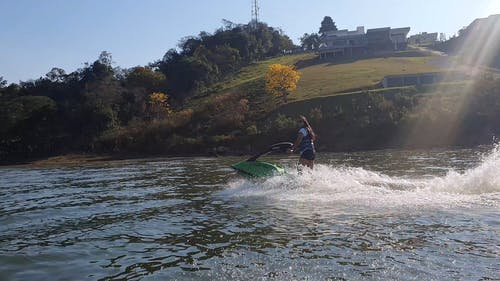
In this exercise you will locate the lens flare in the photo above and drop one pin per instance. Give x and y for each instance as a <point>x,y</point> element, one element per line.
<point>440,113</point>
<point>493,7</point>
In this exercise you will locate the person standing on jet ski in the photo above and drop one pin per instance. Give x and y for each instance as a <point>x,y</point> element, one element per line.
<point>305,143</point>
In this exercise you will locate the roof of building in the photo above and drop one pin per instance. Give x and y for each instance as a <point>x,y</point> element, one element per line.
<point>400,29</point>
<point>423,35</point>
<point>378,29</point>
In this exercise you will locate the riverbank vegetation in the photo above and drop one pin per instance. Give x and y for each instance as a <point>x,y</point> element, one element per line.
<point>209,96</point>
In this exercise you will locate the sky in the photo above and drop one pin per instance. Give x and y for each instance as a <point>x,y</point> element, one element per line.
<point>37,35</point>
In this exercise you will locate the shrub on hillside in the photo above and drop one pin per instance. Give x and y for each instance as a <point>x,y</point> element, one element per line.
<point>252,130</point>
<point>177,144</point>
<point>143,136</point>
<point>221,139</point>
<point>224,113</point>
<point>159,107</point>
<point>283,122</point>
<point>316,114</point>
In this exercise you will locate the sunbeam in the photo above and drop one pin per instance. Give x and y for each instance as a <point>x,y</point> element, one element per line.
<point>438,118</point>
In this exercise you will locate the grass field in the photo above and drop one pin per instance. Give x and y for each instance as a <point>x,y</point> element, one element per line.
<point>249,74</point>
<point>318,78</point>
<point>250,81</point>
<point>323,78</point>
<point>326,78</point>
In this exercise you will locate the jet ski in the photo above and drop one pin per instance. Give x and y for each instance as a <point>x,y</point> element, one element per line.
<point>254,168</point>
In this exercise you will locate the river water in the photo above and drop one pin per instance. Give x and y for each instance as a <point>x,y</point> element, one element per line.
<point>379,215</point>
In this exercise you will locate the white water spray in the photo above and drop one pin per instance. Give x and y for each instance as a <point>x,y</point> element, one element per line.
<point>358,186</point>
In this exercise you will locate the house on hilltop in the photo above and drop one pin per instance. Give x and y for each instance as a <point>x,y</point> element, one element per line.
<point>398,38</point>
<point>357,42</point>
<point>423,38</point>
<point>343,42</point>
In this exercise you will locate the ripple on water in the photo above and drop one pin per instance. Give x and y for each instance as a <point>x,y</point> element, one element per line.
<point>191,219</point>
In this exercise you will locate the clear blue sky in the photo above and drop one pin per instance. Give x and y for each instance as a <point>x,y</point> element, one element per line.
<point>36,35</point>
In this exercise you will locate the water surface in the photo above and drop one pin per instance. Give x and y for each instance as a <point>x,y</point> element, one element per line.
<point>392,214</point>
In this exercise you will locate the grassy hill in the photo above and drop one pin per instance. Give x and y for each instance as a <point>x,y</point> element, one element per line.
<point>325,78</point>
<point>329,78</point>
<point>248,75</point>
<point>342,98</point>
<point>343,101</point>
<point>319,78</point>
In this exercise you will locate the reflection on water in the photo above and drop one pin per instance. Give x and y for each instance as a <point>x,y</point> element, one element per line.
<point>409,215</point>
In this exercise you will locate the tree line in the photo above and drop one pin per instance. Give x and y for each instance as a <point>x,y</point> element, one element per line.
<point>311,41</point>
<point>69,111</point>
<point>146,109</point>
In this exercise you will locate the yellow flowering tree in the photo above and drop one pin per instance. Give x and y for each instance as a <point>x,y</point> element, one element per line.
<point>281,80</point>
<point>158,104</point>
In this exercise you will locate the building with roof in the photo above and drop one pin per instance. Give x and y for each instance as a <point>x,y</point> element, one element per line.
<point>398,37</point>
<point>423,38</point>
<point>357,42</point>
<point>342,42</point>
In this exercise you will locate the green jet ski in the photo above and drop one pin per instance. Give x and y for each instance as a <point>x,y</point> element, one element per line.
<point>254,168</point>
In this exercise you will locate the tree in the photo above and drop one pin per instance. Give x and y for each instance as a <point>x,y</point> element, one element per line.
<point>189,44</point>
<point>310,41</point>
<point>186,74</point>
<point>158,105</point>
<point>28,123</point>
<point>105,58</point>
<point>228,111</point>
<point>146,78</point>
<point>3,82</point>
<point>203,60</point>
<point>99,70</point>
<point>72,110</point>
<point>226,58</point>
<point>286,43</point>
<point>228,25</point>
<point>281,80</point>
<point>56,74</point>
<point>327,25</point>
<point>139,83</point>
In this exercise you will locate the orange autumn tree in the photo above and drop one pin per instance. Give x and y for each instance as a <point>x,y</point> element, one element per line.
<point>281,80</point>
<point>158,105</point>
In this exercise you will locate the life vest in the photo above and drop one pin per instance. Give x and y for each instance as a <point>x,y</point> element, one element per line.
<point>307,141</point>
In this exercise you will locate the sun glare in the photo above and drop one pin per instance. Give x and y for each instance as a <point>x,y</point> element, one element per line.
<point>493,7</point>
<point>478,50</point>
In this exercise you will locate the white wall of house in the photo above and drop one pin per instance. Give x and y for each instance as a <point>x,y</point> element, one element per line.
<point>398,35</point>
<point>344,40</point>
<point>345,32</point>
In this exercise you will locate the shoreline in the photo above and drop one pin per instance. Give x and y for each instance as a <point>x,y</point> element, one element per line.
<point>80,159</point>
<point>71,159</point>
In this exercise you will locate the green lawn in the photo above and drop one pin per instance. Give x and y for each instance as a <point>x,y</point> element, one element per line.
<point>326,79</point>
<point>250,81</point>
<point>318,78</point>
<point>257,70</point>
<point>321,78</point>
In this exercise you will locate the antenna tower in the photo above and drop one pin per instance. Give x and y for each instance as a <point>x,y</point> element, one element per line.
<point>255,13</point>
